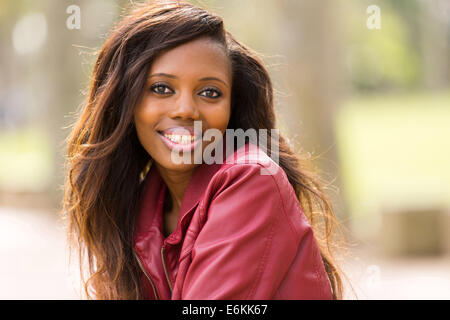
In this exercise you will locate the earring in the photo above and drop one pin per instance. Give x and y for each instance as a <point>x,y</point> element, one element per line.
<point>144,172</point>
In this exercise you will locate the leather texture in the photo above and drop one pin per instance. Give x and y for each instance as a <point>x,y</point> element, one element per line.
<point>240,235</point>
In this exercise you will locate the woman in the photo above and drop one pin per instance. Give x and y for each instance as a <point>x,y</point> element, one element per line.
<point>154,227</point>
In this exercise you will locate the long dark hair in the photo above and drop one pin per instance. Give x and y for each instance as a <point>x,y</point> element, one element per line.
<point>105,158</point>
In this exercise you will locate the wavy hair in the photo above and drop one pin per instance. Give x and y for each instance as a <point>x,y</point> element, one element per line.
<point>105,158</point>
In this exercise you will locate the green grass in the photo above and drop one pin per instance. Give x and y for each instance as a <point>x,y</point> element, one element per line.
<point>395,152</point>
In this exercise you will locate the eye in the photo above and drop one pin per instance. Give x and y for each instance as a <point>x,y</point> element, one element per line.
<point>160,88</point>
<point>211,93</point>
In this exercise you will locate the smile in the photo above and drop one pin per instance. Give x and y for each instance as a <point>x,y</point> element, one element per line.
<point>180,139</point>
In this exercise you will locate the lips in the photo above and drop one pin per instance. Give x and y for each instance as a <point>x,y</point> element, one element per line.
<point>180,138</point>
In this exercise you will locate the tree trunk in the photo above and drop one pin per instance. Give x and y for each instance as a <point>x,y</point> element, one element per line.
<point>310,37</point>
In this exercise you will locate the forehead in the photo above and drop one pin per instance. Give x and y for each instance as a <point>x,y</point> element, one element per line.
<point>197,57</point>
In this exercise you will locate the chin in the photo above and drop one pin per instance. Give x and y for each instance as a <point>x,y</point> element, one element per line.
<point>168,164</point>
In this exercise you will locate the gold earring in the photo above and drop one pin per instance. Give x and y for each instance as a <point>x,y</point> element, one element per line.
<point>144,172</point>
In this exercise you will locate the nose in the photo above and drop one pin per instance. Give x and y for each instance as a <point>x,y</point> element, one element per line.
<point>185,108</point>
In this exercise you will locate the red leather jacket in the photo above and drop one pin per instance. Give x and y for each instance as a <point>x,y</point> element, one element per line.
<point>240,235</point>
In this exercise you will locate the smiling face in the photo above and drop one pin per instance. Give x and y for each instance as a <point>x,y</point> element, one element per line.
<point>191,82</point>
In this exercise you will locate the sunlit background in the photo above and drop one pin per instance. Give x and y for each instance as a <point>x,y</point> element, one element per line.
<point>362,86</point>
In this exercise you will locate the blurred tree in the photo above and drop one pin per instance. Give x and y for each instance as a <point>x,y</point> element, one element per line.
<point>70,57</point>
<point>64,78</point>
<point>382,59</point>
<point>434,38</point>
<point>410,51</point>
<point>315,81</point>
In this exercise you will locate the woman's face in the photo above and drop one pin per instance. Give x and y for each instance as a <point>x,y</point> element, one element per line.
<point>191,82</point>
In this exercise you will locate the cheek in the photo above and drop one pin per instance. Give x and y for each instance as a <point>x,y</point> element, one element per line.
<point>218,117</point>
<point>145,119</point>
<point>146,115</point>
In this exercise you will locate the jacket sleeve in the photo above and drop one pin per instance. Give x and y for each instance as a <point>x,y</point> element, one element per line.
<point>250,238</point>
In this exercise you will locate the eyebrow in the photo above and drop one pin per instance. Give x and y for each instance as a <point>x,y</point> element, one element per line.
<point>171,76</point>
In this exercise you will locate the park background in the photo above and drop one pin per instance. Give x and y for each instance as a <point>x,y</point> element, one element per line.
<point>362,88</point>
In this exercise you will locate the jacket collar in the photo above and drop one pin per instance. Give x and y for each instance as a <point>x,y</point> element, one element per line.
<point>152,201</point>
<point>197,186</point>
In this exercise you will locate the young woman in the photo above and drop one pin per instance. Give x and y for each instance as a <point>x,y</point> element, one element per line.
<point>155,228</point>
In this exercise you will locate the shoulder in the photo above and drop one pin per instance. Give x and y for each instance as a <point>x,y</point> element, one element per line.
<point>247,164</point>
<point>250,182</point>
<point>250,172</point>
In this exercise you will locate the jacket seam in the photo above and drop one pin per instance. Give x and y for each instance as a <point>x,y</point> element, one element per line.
<point>319,275</point>
<point>262,263</point>
<point>185,253</point>
<point>269,238</point>
<point>218,181</point>
<point>316,272</point>
<point>295,233</point>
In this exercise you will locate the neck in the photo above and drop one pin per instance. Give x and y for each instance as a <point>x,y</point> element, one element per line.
<point>176,182</point>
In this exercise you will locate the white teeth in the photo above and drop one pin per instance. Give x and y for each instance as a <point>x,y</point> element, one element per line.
<point>180,139</point>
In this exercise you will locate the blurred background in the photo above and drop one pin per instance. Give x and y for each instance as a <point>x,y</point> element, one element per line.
<point>362,87</point>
